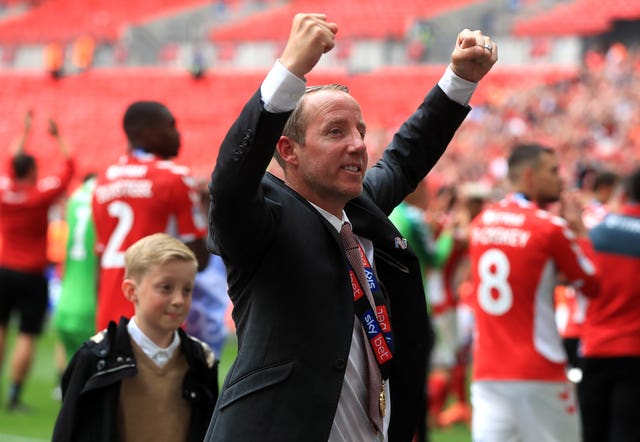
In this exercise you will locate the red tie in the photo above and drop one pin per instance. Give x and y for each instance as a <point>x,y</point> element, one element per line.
<point>352,249</point>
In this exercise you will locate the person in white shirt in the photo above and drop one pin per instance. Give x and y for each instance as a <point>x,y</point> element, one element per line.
<point>145,378</point>
<point>303,368</point>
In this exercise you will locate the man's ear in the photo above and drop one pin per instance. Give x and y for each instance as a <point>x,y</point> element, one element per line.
<point>286,150</point>
<point>129,290</point>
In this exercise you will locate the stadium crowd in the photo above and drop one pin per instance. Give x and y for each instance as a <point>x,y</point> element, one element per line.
<point>592,121</point>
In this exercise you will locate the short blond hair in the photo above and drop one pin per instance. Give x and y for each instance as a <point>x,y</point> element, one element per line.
<point>153,250</point>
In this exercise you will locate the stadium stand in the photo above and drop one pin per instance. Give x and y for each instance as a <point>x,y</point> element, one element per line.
<point>580,17</point>
<point>375,20</point>
<point>89,106</point>
<point>64,20</point>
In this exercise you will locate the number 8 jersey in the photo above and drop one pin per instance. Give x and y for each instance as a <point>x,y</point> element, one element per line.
<point>138,196</point>
<point>517,250</point>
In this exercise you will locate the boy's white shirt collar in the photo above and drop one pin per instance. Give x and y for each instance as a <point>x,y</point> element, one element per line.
<point>156,353</point>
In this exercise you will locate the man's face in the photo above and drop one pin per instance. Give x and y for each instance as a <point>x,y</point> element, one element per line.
<point>330,166</point>
<point>163,137</point>
<point>547,180</point>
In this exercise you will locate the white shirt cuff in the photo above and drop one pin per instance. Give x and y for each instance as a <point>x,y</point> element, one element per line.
<point>281,89</point>
<point>456,88</point>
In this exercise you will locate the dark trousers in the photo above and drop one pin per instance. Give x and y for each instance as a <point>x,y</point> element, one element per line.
<point>571,347</point>
<point>609,395</point>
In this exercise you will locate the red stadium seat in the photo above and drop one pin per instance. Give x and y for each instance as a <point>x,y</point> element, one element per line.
<point>580,17</point>
<point>376,20</point>
<point>89,106</point>
<point>64,20</point>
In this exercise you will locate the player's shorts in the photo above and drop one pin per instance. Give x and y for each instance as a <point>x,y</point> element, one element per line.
<point>27,294</point>
<point>445,326</point>
<point>524,411</point>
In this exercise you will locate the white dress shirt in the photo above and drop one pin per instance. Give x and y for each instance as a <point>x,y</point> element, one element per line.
<point>160,356</point>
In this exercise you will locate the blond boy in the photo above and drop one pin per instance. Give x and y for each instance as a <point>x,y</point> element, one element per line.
<point>144,378</point>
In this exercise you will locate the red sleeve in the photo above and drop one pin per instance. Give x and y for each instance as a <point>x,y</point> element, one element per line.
<point>9,167</point>
<point>191,221</point>
<point>52,187</point>
<point>575,259</point>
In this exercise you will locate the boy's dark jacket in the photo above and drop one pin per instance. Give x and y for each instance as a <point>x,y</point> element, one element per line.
<point>91,386</point>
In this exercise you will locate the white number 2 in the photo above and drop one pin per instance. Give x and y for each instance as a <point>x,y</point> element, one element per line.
<point>113,257</point>
<point>494,292</point>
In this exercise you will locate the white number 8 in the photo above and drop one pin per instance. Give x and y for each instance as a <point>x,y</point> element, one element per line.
<point>494,293</point>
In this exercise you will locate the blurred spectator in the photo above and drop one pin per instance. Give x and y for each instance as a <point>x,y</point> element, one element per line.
<point>597,205</point>
<point>519,390</point>
<point>57,234</point>
<point>83,49</point>
<point>419,41</point>
<point>457,277</point>
<point>571,304</point>
<point>441,300</point>
<point>25,200</point>
<point>74,318</point>
<point>198,65</point>
<point>210,300</point>
<point>409,218</point>
<point>611,332</point>
<point>145,192</point>
<point>54,59</point>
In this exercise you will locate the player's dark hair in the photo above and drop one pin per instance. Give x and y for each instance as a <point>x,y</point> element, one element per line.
<point>604,179</point>
<point>142,114</point>
<point>22,165</point>
<point>525,154</point>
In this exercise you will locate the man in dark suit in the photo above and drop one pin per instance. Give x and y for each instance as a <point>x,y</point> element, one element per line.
<point>301,371</point>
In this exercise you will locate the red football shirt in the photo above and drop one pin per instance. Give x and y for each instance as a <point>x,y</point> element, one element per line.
<point>516,251</point>
<point>139,196</point>
<point>611,328</point>
<point>24,219</point>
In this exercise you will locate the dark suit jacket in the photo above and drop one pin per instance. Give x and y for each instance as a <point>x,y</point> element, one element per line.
<point>288,280</point>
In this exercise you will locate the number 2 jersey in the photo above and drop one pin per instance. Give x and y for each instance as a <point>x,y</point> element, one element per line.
<point>517,251</point>
<point>139,196</point>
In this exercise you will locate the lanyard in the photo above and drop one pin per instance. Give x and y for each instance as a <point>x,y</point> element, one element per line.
<point>377,325</point>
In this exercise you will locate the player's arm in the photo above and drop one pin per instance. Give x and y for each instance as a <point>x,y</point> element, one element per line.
<point>574,258</point>
<point>55,133</point>
<point>191,219</point>
<point>18,145</point>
